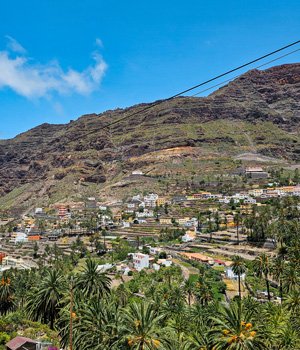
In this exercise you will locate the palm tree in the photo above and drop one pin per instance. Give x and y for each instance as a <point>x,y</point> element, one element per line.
<point>210,228</point>
<point>239,268</point>
<point>92,282</point>
<point>233,329</point>
<point>203,292</point>
<point>277,269</point>
<point>7,292</point>
<point>200,339</point>
<point>168,273</point>
<point>261,267</point>
<point>178,323</point>
<point>104,234</point>
<point>96,325</point>
<point>43,302</point>
<point>142,327</point>
<point>292,302</point>
<point>35,250</point>
<point>181,344</point>
<point>237,220</point>
<point>188,288</point>
<point>23,280</point>
<point>291,277</point>
<point>225,222</point>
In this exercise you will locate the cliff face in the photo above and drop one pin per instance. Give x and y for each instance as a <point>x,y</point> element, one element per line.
<point>258,112</point>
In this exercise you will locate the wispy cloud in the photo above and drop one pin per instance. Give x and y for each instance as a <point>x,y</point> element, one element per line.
<point>14,45</point>
<point>99,42</point>
<point>35,80</point>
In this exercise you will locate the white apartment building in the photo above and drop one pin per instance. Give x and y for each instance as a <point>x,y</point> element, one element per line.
<point>140,261</point>
<point>150,200</point>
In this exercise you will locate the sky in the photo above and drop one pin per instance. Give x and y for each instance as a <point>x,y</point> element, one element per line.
<point>60,59</point>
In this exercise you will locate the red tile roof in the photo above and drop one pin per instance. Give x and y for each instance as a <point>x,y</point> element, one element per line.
<point>15,343</point>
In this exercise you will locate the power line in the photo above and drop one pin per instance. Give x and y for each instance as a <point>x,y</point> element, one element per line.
<point>195,87</point>
<point>204,83</point>
<point>239,75</point>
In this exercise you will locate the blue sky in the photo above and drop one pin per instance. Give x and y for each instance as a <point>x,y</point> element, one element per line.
<point>60,59</point>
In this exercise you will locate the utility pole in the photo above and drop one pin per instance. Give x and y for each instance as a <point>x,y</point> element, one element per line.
<point>237,228</point>
<point>71,314</point>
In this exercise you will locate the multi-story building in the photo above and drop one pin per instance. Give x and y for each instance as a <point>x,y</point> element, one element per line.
<point>161,201</point>
<point>165,221</point>
<point>140,261</point>
<point>256,173</point>
<point>145,214</point>
<point>150,200</point>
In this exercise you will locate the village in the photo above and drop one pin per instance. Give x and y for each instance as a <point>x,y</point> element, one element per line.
<point>148,232</point>
<point>149,175</point>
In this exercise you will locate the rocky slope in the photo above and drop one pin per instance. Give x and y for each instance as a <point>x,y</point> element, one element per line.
<point>257,113</point>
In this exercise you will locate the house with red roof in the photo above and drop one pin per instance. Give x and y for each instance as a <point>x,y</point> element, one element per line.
<point>21,343</point>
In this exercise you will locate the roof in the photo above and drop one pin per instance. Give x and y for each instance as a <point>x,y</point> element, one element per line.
<point>197,256</point>
<point>219,261</point>
<point>15,343</point>
<point>254,169</point>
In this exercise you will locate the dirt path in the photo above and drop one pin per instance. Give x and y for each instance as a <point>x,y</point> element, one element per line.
<point>186,271</point>
<point>251,143</point>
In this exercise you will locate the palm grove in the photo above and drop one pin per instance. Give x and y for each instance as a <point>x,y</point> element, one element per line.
<point>162,310</point>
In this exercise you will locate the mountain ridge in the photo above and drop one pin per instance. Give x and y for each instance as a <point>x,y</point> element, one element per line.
<point>258,112</point>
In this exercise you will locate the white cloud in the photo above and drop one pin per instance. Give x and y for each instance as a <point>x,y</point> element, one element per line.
<point>14,45</point>
<point>99,42</point>
<point>33,80</point>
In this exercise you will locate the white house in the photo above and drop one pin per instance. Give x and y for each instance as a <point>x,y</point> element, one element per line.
<point>224,200</point>
<point>188,238</point>
<point>231,275</point>
<point>150,200</point>
<point>193,222</point>
<point>145,214</point>
<point>104,267</point>
<point>131,205</point>
<point>164,262</point>
<point>140,261</point>
<point>154,250</point>
<point>137,172</point>
<point>126,224</point>
<point>19,237</point>
<point>156,267</point>
<point>137,197</point>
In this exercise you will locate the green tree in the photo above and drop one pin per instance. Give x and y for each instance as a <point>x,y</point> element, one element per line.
<point>291,277</point>
<point>237,220</point>
<point>188,288</point>
<point>7,291</point>
<point>142,326</point>
<point>35,250</point>
<point>277,270</point>
<point>261,266</point>
<point>92,282</point>
<point>239,268</point>
<point>233,329</point>
<point>43,301</point>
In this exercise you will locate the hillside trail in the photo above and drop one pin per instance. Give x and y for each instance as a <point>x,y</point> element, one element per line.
<point>251,143</point>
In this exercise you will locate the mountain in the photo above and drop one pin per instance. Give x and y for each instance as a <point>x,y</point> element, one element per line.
<point>255,118</point>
